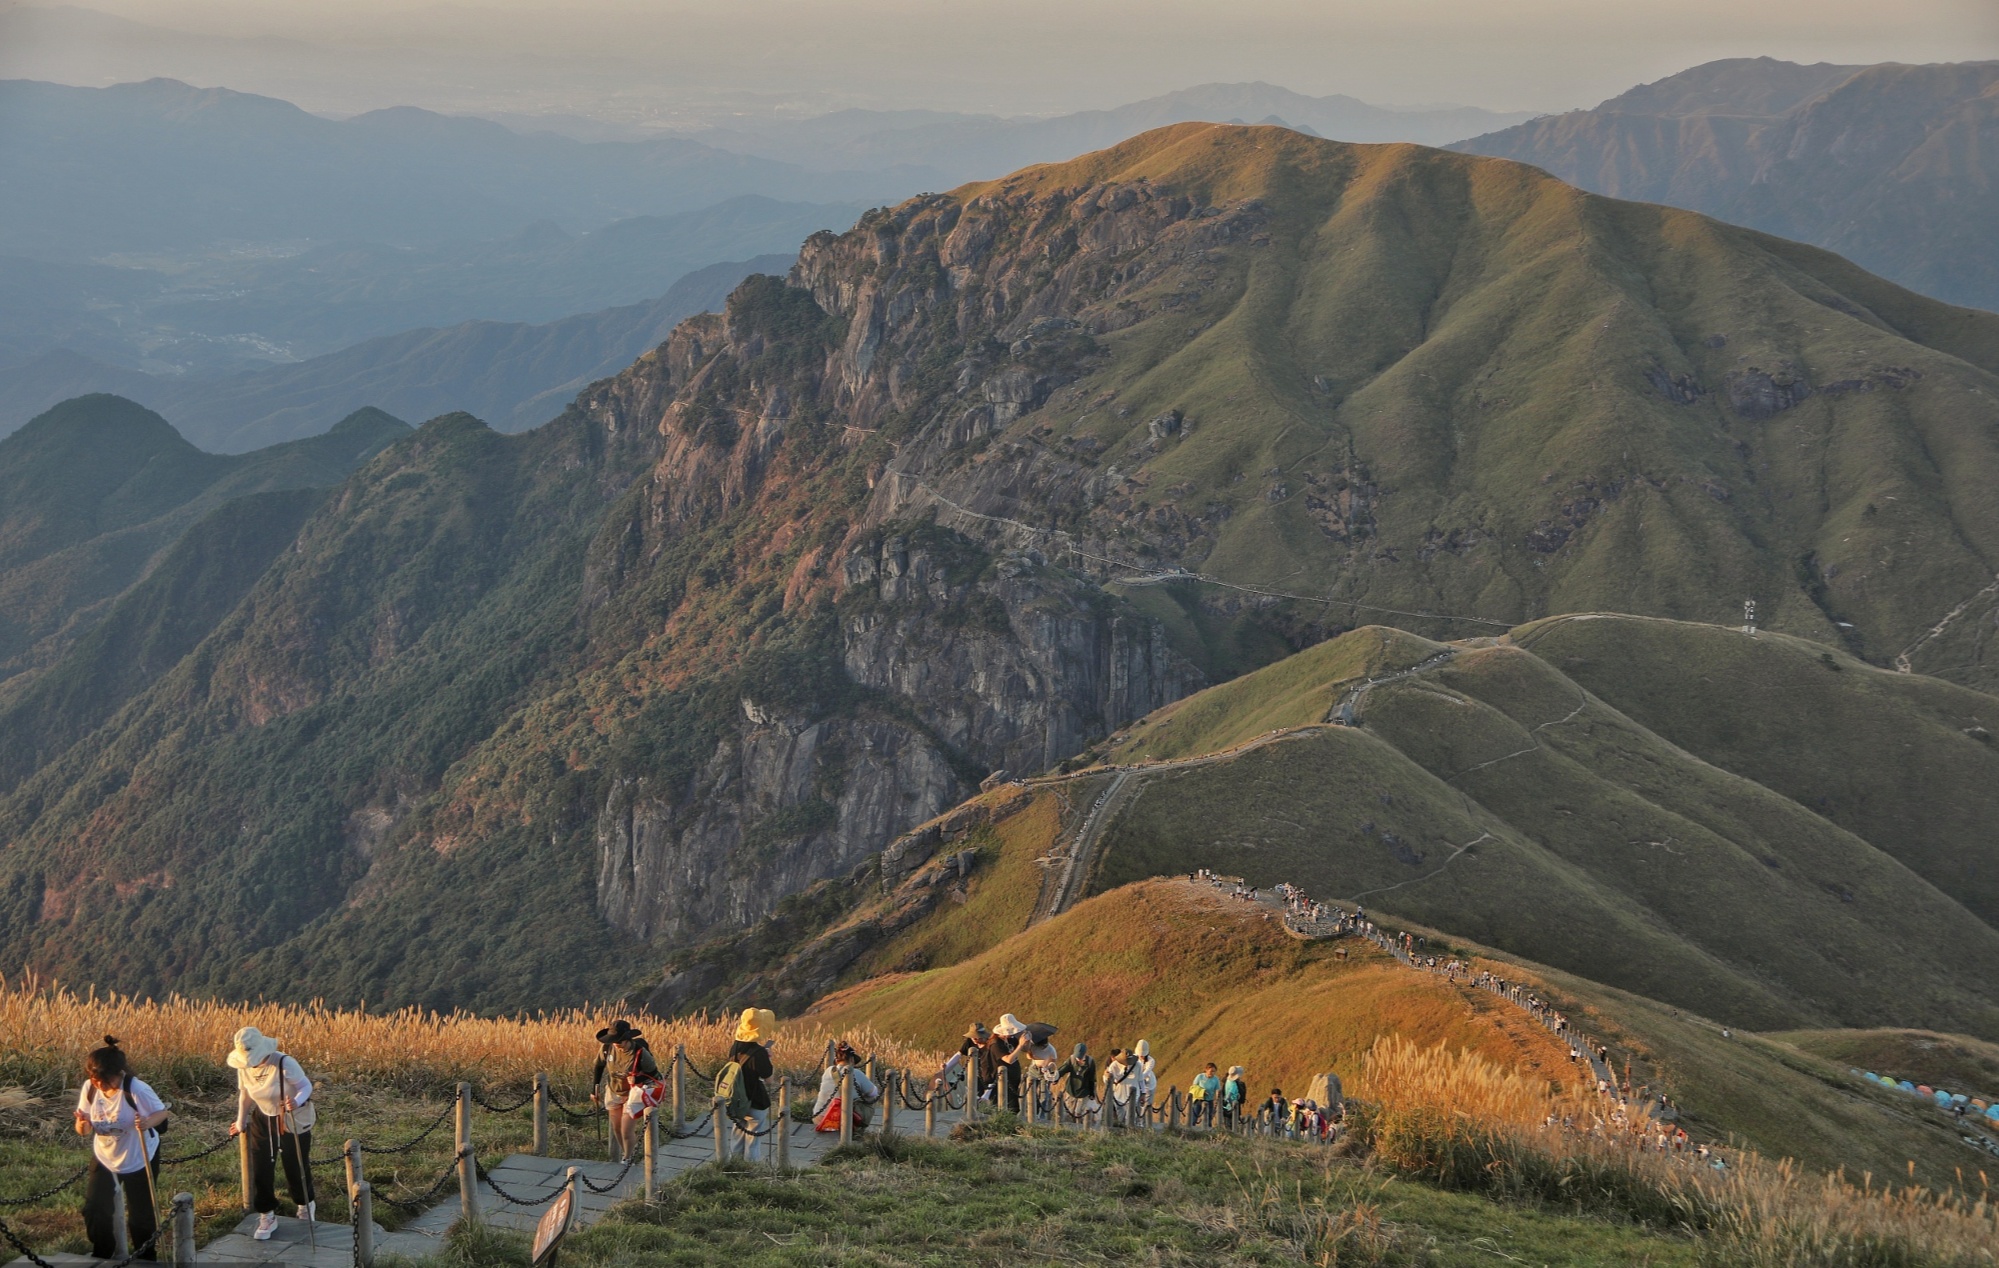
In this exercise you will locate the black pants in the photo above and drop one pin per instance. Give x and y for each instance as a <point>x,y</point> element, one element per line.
<point>100,1200</point>
<point>297,1154</point>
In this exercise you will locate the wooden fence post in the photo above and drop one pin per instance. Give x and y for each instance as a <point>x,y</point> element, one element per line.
<point>1173,1109</point>
<point>652,1149</point>
<point>721,1134</point>
<point>679,1089</point>
<point>364,1224</point>
<point>468,1175</point>
<point>930,1107</point>
<point>351,1151</point>
<point>243,1165</point>
<point>541,1115</point>
<point>183,1228</point>
<point>889,1085</point>
<point>783,1152</point>
<point>846,1103</point>
<point>1027,1105</point>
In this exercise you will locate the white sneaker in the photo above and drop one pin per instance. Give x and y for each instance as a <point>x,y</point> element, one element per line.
<point>267,1223</point>
<point>310,1212</point>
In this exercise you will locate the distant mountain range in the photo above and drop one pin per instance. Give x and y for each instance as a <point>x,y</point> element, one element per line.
<point>967,146</point>
<point>1895,167</point>
<point>513,374</point>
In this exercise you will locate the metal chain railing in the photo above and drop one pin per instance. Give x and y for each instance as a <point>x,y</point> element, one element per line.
<point>415,1140</point>
<point>507,1197</point>
<point>48,1193</point>
<point>616,1180</point>
<point>218,1146</point>
<point>572,1115</point>
<point>29,1251</point>
<point>487,1105</point>
<point>422,1201</point>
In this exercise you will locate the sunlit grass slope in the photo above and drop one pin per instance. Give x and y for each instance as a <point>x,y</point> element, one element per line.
<point>1203,977</point>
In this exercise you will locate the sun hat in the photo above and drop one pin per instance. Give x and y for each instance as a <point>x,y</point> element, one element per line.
<point>619,1031</point>
<point>1008,1026</point>
<point>253,1048</point>
<point>756,1025</point>
<point>1143,1048</point>
<point>1234,1070</point>
<point>978,1033</point>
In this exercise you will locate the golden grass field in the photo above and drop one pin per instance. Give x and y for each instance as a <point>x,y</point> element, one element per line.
<point>48,1030</point>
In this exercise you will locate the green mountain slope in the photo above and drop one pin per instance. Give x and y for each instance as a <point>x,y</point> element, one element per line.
<point>1490,794</point>
<point>1000,471</point>
<point>92,490</point>
<point>1890,165</point>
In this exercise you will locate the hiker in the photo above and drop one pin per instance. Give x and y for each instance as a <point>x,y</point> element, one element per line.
<point>750,1055</point>
<point>1020,1050</point>
<point>626,1059</point>
<point>1235,1096</point>
<point>122,1117</point>
<point>826,1109</point>
<point>1278,1111</point>
<point>1079,1087</point>
<point>274,1105</point>
<point>975,1055</point>
<point>1146,1086</point>
<point>1120,1092</point>
<point>1202,1094</point>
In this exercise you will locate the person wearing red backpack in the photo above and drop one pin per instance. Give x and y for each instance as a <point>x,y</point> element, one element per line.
<point>626,1058</point>
<point>826,1109</point>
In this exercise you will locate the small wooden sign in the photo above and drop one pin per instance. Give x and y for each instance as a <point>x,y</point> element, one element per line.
<point>548,1233</point>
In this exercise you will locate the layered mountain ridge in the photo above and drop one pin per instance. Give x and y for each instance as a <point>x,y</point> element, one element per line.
<point>1890,165</point>
<point>996,473</point>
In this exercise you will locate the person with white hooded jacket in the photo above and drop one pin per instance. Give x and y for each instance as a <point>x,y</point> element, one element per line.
<point>274,1105</point>
<point>1145,1078</point>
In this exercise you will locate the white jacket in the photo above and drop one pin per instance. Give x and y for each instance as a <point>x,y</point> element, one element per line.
<point>257,1088</point>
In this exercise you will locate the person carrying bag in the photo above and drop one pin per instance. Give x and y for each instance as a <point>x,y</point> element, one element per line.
<point>274,1105</point>
<point>123,1117</point>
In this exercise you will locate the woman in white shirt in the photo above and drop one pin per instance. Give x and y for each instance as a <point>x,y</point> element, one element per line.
<point>273,1104</point>
<point>122,1116</point>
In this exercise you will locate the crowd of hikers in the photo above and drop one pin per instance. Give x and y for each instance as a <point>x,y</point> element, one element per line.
<point>1010,1065</point>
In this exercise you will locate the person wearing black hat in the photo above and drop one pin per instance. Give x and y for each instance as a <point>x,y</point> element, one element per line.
<point>612,1078</point>
<point>976,1056</point>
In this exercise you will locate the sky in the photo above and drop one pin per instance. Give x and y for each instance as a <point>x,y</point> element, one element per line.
<point>643,60</point>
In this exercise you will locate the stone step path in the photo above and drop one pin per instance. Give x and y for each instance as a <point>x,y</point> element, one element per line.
<point>524,1176</point>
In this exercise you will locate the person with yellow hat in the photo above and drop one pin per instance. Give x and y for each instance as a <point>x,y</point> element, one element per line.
<point>751,1054</point>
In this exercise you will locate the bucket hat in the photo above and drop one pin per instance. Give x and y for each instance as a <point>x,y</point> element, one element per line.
<point>252,1048</point>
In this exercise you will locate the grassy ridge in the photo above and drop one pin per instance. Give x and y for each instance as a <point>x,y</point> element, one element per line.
<point>1501,799</point>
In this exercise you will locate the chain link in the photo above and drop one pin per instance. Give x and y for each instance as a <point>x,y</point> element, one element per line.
<point>507,1197</point>
<point>422,1201</point>
<point>46,1194</point>
<point>217,1146</point>
<point>415,1140</point>
<point>615,1180</point>
<point>571,1114</point>
<point>487,1105</point>
<point>23,1247</point>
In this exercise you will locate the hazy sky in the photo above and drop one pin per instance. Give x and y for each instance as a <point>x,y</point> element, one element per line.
<point>1027,56</point>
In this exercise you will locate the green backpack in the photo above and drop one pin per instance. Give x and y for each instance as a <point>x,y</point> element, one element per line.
<point>730,1086</point>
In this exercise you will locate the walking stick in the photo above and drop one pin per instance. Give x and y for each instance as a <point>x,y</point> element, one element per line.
<point>145,1164</point>
<point>286,1125</point>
